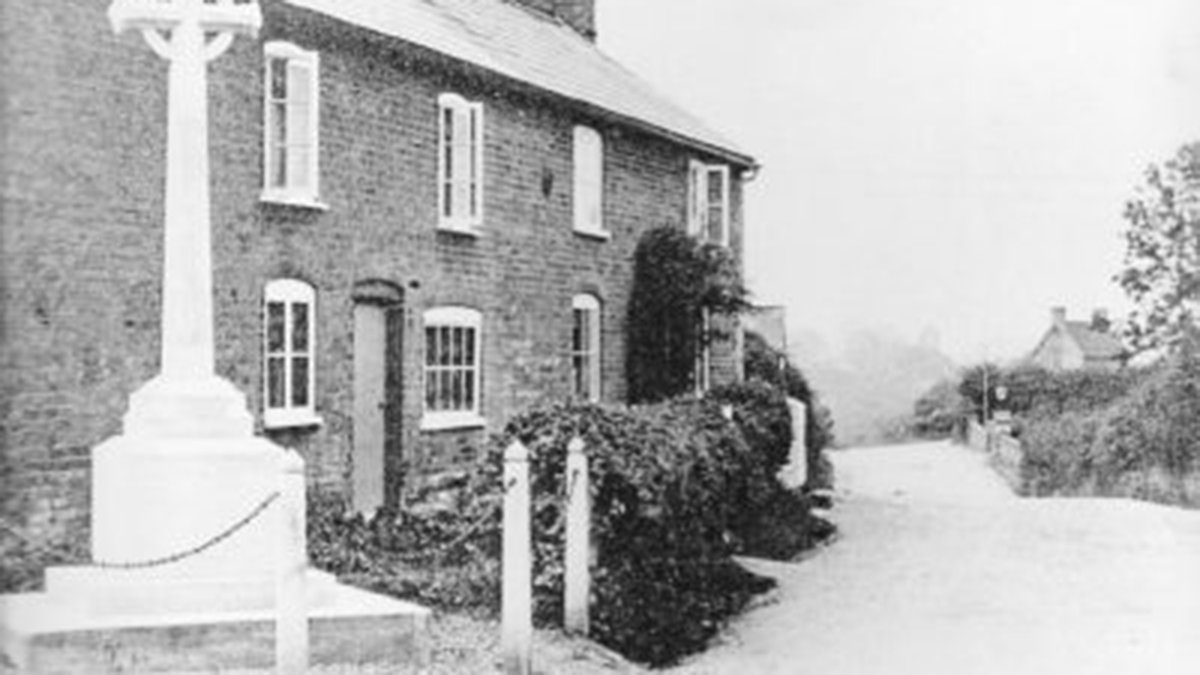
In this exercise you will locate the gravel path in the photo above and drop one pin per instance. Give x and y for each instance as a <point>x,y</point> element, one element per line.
<point>940,569</point>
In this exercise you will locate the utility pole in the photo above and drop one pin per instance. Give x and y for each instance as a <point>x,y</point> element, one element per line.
<point>987,427</point>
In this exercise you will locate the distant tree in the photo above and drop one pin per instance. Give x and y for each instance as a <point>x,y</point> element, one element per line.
<point>939,412</point>
<point>971,388</point>
<point>1162,258</point>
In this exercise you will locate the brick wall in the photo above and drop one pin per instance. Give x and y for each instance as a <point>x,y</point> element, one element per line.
<point>82,237</point>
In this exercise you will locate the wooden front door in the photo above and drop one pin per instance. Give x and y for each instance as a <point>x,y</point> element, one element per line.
<point>376,473</point>
<point>370,406</point>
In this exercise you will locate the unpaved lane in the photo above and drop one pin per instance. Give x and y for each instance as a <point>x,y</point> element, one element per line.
<point>940,569</point>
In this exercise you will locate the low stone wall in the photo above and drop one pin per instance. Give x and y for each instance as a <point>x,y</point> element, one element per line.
<point>1004,451</point>
<point>1005,457</point>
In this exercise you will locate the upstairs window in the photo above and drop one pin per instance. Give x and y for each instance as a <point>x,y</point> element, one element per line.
<point>452,360</point>
<point>460,163</point>
<point>588,194</point>
<point>708,202</point>
<point>289,344</point>
<point>291,108</point>
<point>585,347</point>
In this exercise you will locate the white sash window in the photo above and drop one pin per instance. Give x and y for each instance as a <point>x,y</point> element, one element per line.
<point>708,202</point>
<point>460,163</point>
<point>452,368</point>
<point>585,347</point>
<point>588,194</point>
<point>289,337</point>
<point>291,107</point>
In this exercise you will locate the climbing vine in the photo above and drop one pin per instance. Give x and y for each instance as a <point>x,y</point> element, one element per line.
<point>675,279</point>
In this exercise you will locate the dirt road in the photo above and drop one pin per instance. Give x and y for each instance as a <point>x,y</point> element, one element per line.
<point>940,569</point>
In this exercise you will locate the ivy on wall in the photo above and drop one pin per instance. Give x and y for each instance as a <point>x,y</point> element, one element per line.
<point>675,278</point>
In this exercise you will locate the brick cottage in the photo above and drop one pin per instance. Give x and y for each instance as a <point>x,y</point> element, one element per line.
<point>424,219</point>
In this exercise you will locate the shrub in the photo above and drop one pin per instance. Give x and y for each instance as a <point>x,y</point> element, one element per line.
<point>674,278</point>
<point>1145,445</point>
<point>439,559</point>
<point>761,412</point>
<point>765,364</point>
<point>1151,442</point>
<point>668,482</point>
<point>1055,456</point>
<point>939,412</point>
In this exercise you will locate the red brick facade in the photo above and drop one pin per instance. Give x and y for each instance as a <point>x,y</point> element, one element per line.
<point>83,152</point>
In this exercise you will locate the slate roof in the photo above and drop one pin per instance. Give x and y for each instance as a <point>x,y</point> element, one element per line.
<point>538,50</point>
<point>1095,344</point>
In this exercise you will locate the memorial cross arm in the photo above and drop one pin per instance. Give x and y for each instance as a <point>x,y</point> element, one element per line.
<point>219,16</point>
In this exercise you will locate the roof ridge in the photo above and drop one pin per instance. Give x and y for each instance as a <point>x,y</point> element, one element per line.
<point>516,41</point>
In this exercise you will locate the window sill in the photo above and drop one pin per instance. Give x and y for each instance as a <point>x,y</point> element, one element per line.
<point>601,235</point>
<point>296,200</point>
<point>291,419</point>
<point>465,230</point>
<point>447,421</point>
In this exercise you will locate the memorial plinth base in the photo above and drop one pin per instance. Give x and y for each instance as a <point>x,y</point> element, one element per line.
<point>44,634</point>
<point>188,537</point>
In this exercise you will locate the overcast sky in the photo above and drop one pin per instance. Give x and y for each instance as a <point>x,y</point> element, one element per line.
<point>954,164</point>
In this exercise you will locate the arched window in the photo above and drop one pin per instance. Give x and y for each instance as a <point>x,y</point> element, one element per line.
<point>585,347</point>
<point>289,343</point>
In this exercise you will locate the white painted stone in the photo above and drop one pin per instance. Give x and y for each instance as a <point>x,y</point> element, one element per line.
<point>156,497</point>
<point>795,473</point>
<point>291,618</point>
<point>516,632</point>
<point>577,581</point>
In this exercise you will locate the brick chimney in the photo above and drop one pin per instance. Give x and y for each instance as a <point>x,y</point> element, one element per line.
<point>578,14</point>
<point>1100,322</point>
<point>1058,315</point>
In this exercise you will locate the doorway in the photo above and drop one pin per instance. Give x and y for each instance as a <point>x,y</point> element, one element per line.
<point>378,357</point>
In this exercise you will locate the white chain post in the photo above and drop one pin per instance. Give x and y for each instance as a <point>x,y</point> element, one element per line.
<point>516,631</point>
<point>291,620</point>
<point>578,575</point>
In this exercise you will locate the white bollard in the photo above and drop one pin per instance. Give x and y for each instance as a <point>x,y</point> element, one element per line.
<point>578,580</point>
<point>797,467</point>
<point>291,619</point>
<point>516,602</point>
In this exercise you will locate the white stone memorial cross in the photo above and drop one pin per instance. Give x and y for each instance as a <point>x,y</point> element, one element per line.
<point>187,399</point>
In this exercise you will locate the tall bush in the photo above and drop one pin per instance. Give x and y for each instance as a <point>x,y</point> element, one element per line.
<point>674,278</point>
<point>764,363</point>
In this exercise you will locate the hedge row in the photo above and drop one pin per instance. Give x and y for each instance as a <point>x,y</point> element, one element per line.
<point>675,486</point>
<point>1145,445</point>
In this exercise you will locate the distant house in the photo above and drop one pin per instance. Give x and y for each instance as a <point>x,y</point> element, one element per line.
<point>1074,345</point>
